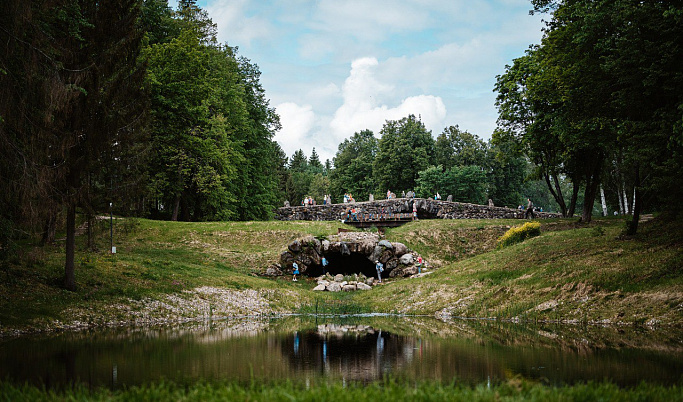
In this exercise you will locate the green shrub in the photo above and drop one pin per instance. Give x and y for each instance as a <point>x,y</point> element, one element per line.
<point>518,234</point>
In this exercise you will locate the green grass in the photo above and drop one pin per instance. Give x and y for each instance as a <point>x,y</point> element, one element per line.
<point>569,273</point>
<point>153,259</point>
<point>513,390</point>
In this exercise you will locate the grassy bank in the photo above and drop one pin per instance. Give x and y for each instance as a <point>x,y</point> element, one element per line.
<point>154,260</point>
<point>177,271</point>
<point>580,274</point>
<point>513,390</point>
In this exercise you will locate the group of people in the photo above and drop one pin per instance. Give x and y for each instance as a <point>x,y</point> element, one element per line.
<point>348,198</point>
<point>351,214</point>
<point>327,200</point>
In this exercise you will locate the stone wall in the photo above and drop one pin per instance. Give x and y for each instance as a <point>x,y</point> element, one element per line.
<point>426,209</point>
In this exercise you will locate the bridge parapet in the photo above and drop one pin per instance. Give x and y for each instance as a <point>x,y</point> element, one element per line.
<point>426,209</point>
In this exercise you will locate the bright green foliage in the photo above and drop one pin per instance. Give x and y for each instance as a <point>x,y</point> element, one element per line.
<point>455,147</point>
<point>353,166</point>
<point>506,173</point>
<point>467,184</point>
<point>518,234</point>
<point>320,186</point>
<point>406,147</point>
<point>605,87</point>
<point>464,183</point>
<point>197,109</point>
<point>430,181</point>
<point>214,158</point>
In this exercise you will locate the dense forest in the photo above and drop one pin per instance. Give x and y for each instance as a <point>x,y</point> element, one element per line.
<point>133,108</point>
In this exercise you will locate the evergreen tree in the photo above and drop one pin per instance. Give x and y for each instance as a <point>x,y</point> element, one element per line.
<point>84,92</point>
<point>314,164</point>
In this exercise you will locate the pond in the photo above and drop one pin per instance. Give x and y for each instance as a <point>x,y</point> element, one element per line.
<point>354,348</point>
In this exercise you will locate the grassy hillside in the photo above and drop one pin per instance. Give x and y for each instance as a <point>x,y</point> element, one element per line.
<point>171,270</point>
<point>569,273</point>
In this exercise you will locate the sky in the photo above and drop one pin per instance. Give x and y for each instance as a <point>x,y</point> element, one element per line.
<point>335,67</point>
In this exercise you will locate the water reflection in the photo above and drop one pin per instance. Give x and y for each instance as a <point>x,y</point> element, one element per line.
<point>352,352</point>
<point>357,349</point>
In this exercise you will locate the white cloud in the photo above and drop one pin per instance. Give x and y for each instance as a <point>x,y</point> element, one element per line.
<point>433,58</point>
<point>363,108</point>
<point>234,25</point>
<point>297,122</point>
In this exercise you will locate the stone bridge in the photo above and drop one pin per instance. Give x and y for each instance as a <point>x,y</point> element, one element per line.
<point>426,209</point>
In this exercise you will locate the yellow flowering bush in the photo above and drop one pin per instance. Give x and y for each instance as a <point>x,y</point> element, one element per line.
<point>518,234</point>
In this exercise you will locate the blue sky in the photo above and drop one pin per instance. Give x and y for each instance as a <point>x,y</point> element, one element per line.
<point>335,67</point>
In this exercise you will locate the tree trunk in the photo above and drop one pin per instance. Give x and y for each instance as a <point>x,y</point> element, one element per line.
<point>602,201</point>
<point>625,197</point>
<point>637,206</point>
<point>575,196</point>
<point>592,183</point>
<point>556,193</point>
<point>176,208</point>
<point>49,229</point>
<point>69,275</point>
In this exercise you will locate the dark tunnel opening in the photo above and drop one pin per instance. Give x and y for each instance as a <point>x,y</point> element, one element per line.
<point>345,264</point>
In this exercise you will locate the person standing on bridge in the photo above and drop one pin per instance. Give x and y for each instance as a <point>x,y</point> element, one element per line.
<point>414,211</point>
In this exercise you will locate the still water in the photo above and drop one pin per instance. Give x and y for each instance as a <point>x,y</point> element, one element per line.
<point>352,349</point>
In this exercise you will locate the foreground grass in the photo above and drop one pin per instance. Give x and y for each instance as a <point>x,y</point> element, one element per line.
<point>513,390</point>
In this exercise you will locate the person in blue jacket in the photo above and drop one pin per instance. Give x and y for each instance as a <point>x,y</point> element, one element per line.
<point>380,268</point>
<point>295,271</point>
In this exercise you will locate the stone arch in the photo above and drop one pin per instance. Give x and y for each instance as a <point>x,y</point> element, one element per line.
<point>345,264</point>
<point>348,257</point>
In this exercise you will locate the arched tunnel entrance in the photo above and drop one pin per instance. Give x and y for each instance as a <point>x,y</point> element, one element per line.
<point>345,264</point>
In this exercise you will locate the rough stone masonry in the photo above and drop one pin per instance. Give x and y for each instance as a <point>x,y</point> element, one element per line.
<point>426,209</point>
